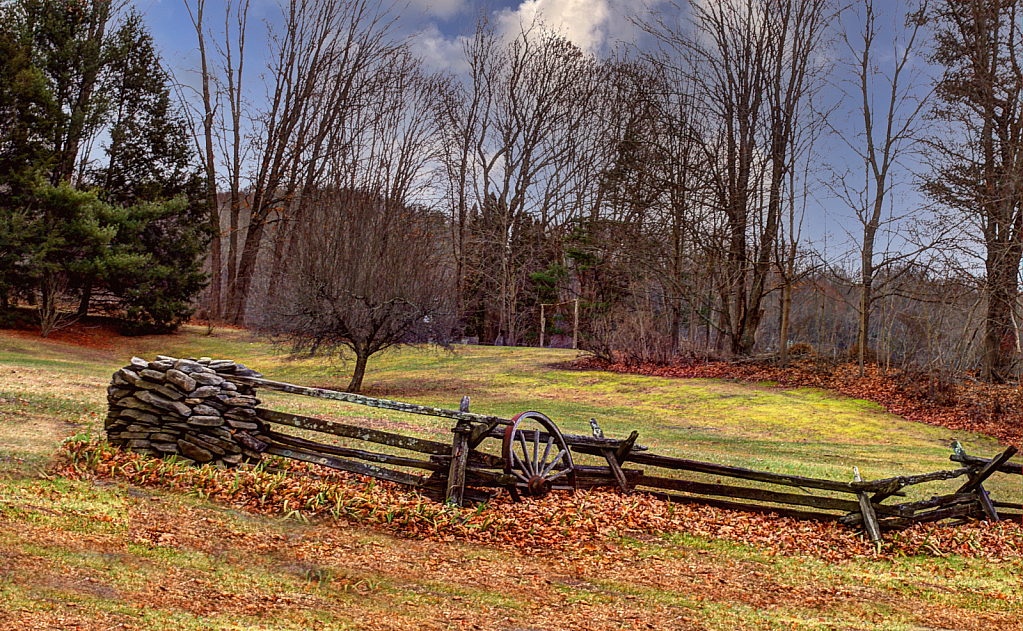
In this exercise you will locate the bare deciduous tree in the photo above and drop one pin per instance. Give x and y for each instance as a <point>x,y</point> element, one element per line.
<point>320,55</point>
<point>231,139</point>
<point>370,275</point>
<point>463,118</point>
<point>754,62</point>
<point>205,144</point>
<point>886,136</point>
<point>659,179</point>
<point>529,102</point>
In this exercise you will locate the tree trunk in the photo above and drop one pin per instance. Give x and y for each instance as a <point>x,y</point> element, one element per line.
<point>232,235</point>
<point>91,61</point>
<point>692,324</point>
<point>83,304</point>
<point>238,293</point>
<point>676,325</point>
<point>753,312</point>
<point>783,332</point>
<point>999,330</point>
<point>210,166</point>
<point>724,326</point>
<point>355,385</point>
<point>48,315</point>
<point>216,263</point>
<point>865,290</point>
<point>747,339</point>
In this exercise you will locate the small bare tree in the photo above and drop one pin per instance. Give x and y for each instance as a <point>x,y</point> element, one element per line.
<point>367,266</point>
<point>887,136</point>
<point>372,275</point>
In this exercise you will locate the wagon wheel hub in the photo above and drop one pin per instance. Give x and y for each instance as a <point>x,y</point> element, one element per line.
<point>539,487</point>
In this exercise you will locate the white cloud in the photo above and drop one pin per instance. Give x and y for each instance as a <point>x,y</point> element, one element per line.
<point>593,25</point>
<point>438,51</point>
<point>584,22</point>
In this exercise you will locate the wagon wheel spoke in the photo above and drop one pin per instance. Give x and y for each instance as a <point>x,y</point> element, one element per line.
<point>546,452</point>
<point>515,472</point>
<point>554,462</point>
<point>559,474</point>
<point>536,450</point>
<point>525,454</point>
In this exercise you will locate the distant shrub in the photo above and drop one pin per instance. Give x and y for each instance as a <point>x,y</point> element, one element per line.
<point>800,349</point>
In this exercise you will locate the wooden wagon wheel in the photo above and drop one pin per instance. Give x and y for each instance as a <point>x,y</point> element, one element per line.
<point>535,452</point>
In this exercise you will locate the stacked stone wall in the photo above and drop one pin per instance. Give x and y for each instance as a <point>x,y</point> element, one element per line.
<point>187,407</point>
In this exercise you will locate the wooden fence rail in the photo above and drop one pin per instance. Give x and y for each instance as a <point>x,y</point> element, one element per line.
<point>866,508</point>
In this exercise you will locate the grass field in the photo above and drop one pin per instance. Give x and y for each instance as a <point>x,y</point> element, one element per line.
<point>100,554</point>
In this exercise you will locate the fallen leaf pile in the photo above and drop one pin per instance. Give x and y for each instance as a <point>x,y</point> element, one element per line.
<point>992,409</point>
<point>584,521</point>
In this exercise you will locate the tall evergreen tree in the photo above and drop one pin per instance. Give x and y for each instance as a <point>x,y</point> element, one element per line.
<point>150,169</point>
<point>26,115</point>
<point>137,236</point>
<point>68,39</point>
<point>149,155</point>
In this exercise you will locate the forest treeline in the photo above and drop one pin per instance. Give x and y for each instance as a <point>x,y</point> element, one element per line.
<point>335,190</point>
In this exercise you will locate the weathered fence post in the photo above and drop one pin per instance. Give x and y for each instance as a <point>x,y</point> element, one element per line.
<point>611,456</point>
<point>459,458</point>
<point>869,516</point>
<point>976,483</point>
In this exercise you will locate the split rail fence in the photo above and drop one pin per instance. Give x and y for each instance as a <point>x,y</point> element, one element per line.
<point>534,457</point>
<point>459,471</point>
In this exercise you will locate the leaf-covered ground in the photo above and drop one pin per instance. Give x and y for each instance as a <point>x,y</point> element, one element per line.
<point>564,522</point>
<point>119,540</point>
<point>166,564</point>
<point>107,540</point>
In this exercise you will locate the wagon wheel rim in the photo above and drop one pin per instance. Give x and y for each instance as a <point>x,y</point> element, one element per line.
<point>536,454</point>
